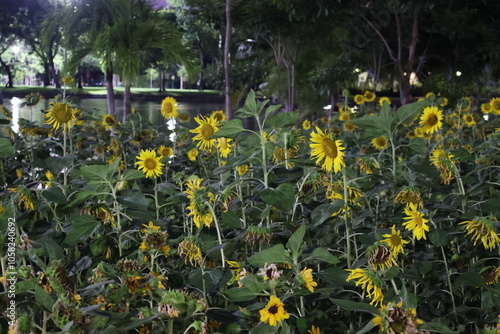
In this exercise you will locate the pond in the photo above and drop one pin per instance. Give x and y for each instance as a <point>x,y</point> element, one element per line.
<point>149,110</point>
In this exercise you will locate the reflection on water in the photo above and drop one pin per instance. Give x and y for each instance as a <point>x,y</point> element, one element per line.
<point>149,110</point>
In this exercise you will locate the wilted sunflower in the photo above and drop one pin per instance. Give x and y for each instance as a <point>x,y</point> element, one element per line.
<point>444,163</point>
<point>219,115</point>
<point>190,249</point>
<point>415,222</point>
<point>109,121</point>
<point>224,145</point>
<point>395,241</point>
<point>165,151</point>
<point>150,164</point>
<point>169,107</point>
<point>380,143</point>
<point>383,100</point>
<point>464,104</point>
<point>490,275</point>
<point>409,195</point>
<point>369,96</point>
<point>24,197</point>
<point>380,257</point>
<point>468,119</point>
<point>431,119</point>
<point>370,282</point>
<point>274,312</point>
<point>307,279</point>
<point>327,151</point>
<point>482,229</point>
<point>359,99</point>
<point>32,99</point>
<point>397,319</point>
<point>60,113</point>
<point>207,127</point>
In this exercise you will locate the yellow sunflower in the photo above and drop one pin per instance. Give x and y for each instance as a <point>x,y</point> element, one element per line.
<point>165,151</point>
<point>431,120</point>
<point>482,229</point>
<point>468,119</point>
<point>198,197</point>
<point>395,241</point>
<point>169,107</point>
<point>314,330</point>
<point>219,115</point>
<point>370,282</point>
<point>344,116</point>
<point>224,145</point>
<point>190,250</point>
<point>380,143</point>
<point>359,99</point>
<point>109,122</point>
<point>243,169</point>
<point>383,100</point>
<point>486,108</point>
<point>380,257</point>
<point>192,154</point>
<point>150,164</point>
<point>369,96</point>
<point>60,113</point>
<point>308,280</point>
<point>495,105</point>
<point>444,103</point>
<point>306,124</point>
<point>274,312</point>
<point>327,151</point>
<point>207,127</point>
<point>349,126</point>
<point>415,222</point>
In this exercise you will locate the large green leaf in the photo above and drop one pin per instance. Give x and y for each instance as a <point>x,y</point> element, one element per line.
<point>81,229</point>
<point>6,147</point>
<point>349,305</point>
<point>43,299</point>
<point>282,119</point>
<point>321,254</point>
<point>54,194</point>
<point>96,172</point>
<point>282,197</point>
<point>132,174</point>
<point>408,112</point>
<point>325,211</point>
<point>275,254</point>
<point>230,129</point>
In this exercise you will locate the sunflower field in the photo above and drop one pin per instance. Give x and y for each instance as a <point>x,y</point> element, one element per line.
<point>376,220</point>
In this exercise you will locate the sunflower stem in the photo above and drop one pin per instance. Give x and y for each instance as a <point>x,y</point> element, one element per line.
<point>65,173</point>
<point>219,236</point>
<point>448,276</point>
<point>393,156</point>
<point>346,218</point>
<point>156,200</point>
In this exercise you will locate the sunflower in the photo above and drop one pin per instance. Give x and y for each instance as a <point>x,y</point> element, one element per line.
<point>109,122</point>
<point>464,104</point>
<point>314,330</point>
<point>383,100</point>
<point>192,154</point>
<point>199,196</point>
<point>189,249</point>
<point>482,228</point>
<point>32,99</point>
<point>415,222</point>
<point>495,105</point>
<point>444,103</point>
<point>370,282</point>
<point>67,80</point>
<point>359,99</point>
<point>307,279</point>
<point>490,275</point>
<point>380,143</point>
<point>395,241</point>
<point>224,145</point>
<point>165,151</point>
<point>468,119</point>
<point>349,126</point>
<point>431,119</point>
<point>24,197</point>
<point>219,115</point>
<point>169,107</point>
<point>243,169</point>
<point>306,124</point>
<point>369,96</point>
<point>486,108</point>
<point>409,195</point>
<point>444,163</point>
<point>344,116</point>
<point>397,319</point>
<point>150,164</point>
<point>183,117</point>
<point>430,95</point>
<point>60,113</point>
<point>327,151</point>
<point>207,127</point>
<point>381,257</point>
<point>274,312</point>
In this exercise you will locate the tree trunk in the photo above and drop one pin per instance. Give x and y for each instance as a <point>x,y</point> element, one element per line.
<point>46,74</point>
<point>110,93</point>
<point>53,72</point>
<point>227,61</point>
<point>10,81</point>
<point>126,101</point>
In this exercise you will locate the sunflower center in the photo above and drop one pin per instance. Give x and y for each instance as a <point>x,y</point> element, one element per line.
<point>62,114</point>
<point>432,119</point>
<point>381,142</point>
<point>223,143</point>
<point>273,310</point>
<point>329,147</point>
<point>395,240</point>
<point>150,164</point>
<point>418,221</point>
<point>206,131</point>
<point>168,108</point>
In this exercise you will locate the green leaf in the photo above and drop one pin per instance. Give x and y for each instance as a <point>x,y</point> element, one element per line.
<point>418,145</point>
<point>230,129</point>
<point>369,326</point>
<point>134,200</point>
<point>470,278</point>
<point>81,229</point>
<point>132,174</point>
<point>325,211</point>
<point>282,119</point>
<point>275,254</point>
<point>408,112</point>
<point>438,237</point>
<point>54,194</point>
<point>6,147</point>
<point>263,328</point>
<point>322,254</point>
<point>296,239</point>
<point>221,315</point>
<point>282,197</point>
<point>355,306</point>
<point>240,294</point>
<point>43,299</point>
<point>95,172</point>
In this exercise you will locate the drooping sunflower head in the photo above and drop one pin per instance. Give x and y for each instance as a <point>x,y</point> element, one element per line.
<point>327,151</point>
<point>67,80</point>
<point>190,250</point>
<point>207,127</point>
<point>60,113</point>
<point>490,275</point>
<point>409,195</point>
<point>369,96</point>
<point>431,119</point>
<point>109,122</point>
<point>483,229</point>
<point>380,143</point>
<point>149,163</point>
<point>384,100</point>
<point>464,104</point>
<point>32,99</point>
<point>369,282</point>
<point>169,107</point>
<point>380,257</point>
<point>199,196</point>
<point>219,115</point>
